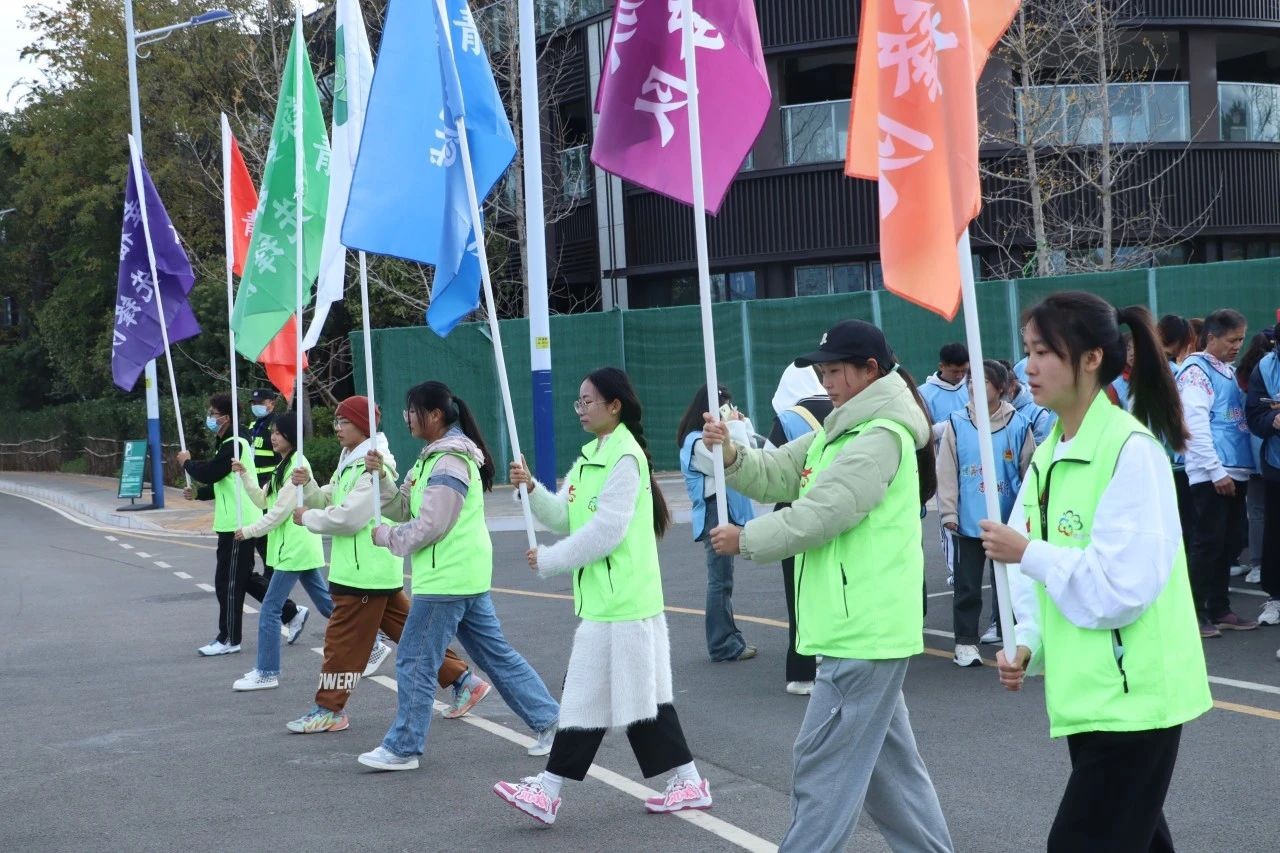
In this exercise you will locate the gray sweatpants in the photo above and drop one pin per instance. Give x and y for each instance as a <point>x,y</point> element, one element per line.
<point>855,746</point>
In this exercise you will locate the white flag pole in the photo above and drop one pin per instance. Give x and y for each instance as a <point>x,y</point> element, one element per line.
<point>368,377</point>
<point>973,335</point>
<point>704,263</point>
<point>495,333</point>
<point>299,195</point>
<point>155,282</point>
<point>229,234</point>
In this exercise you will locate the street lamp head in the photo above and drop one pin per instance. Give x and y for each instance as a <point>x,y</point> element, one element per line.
<point>210,16</point>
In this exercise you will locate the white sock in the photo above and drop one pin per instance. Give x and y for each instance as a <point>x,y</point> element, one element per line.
<point>689,773</point>
<point>551,783</point>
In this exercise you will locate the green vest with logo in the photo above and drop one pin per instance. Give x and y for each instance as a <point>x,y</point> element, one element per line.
<point>626,585</point>
<point>355,561</point>
<point>224,497</point>
<point>858,595</point>
<point>264,458</point>
<point>292,547</point>
<point>460,563</point>
<point>1147,675</point>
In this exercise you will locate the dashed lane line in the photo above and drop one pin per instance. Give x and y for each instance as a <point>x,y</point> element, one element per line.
<point>162,564</point>
<point>205,587</point>
<point>716,826</point>
<point>183,575</point>
<point>125,545</point>
<point>143,554</point>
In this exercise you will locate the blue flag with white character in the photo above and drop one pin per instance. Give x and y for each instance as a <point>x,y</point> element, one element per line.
<point>409,194</point>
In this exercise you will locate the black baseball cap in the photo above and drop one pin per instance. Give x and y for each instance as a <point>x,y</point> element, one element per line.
<point>261,394</point>
<point>850,340</point>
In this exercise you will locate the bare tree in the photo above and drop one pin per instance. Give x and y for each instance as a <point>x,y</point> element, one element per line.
<point>1074,178</point>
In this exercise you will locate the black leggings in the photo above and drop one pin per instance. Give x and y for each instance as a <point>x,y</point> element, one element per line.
<point>659,746</point>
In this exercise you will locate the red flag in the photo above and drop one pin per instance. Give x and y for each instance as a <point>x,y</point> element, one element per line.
<point>914,128</point>
<point>278,357</point>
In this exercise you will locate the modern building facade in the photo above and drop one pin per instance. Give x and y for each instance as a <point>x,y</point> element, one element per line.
<point>1206,115</point>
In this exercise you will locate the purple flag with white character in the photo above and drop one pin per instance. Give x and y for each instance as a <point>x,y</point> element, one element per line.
<point>137,337</point>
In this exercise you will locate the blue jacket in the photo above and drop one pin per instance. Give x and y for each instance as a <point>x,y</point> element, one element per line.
<point>741,509</point>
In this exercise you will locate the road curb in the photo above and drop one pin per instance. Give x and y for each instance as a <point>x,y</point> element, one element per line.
<point>123,521</point>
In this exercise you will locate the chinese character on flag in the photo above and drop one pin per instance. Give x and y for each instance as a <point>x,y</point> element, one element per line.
<point>914,128</point>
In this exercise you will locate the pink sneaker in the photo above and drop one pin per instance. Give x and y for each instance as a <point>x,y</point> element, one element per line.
<point>680,795</point>
<point>467,698</point>
<point>529,797</point>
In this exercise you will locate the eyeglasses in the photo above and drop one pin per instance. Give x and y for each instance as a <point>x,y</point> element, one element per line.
<point>580,406</point>
<point>339,423</point>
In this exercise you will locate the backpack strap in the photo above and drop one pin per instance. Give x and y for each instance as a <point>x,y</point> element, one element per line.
<point>807,416</point>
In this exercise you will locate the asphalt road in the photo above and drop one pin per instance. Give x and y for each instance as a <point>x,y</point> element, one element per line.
<point>116,736</point>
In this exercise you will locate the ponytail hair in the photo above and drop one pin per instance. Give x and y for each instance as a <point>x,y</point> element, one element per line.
<point>430,396</point>
<point>613,384</point>
<point>1073,323</point>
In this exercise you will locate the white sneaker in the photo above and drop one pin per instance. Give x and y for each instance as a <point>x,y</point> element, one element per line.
<point>1254,576</point>
<point>679,796</point>
<point>1239,569</point>
<point>384,759</point>
<point>217,648</point>
<point>800,688</point>
<point>542,741</point>
<point>1270,614</point>
<point>380,652</point>
<point>967,656</point>
<point>992,637</point>
<point>255,680</point>
<point>293,628</point>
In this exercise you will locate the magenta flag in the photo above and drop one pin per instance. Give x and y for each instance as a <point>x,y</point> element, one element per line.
<point>643,99</point>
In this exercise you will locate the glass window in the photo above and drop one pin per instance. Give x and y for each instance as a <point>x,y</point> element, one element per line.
<point>877,276</point>
<point>848,278</point>
<point>734,286</point>
<point>815,133</point>
<point>575,170</point>
<point>813,281</point>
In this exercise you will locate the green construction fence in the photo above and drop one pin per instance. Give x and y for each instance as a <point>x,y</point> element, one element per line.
<point>661,348</point>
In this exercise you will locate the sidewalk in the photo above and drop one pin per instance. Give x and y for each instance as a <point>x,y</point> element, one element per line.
<point>94,498</point>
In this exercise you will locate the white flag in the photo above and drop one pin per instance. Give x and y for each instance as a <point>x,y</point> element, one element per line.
<point>351,81</point>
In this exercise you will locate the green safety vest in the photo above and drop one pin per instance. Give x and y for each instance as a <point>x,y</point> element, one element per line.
<point>292,547</point>
<point>626,585</point>
<point>461,563</point>
<point>858,595</point>
<point>1147,675</point>
<point>355,561</point>
<point>264,458</point>
<point>224,498</point>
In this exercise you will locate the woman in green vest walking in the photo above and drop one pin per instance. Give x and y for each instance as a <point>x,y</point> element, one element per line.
<point>444,532</point>
<point>295,554</point>
<point>620,668</point>
<point>1098,575</point>
<point>856,486</point>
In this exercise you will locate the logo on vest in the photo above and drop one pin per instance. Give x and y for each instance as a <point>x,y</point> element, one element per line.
<point>573,492</point>
<point>1070,525</point>
<point>593,504</point>
<point>1008,454</point>
<point>805,474</point>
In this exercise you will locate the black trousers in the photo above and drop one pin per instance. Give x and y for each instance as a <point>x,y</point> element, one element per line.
<point>1271,538</point>
<point>799,667</point>
<point>659,746</point>
<point>233,577</point>
<point>1114,802</point>
<point>969,563</point>
<point>1186,507</point>
<point>1221,531</point>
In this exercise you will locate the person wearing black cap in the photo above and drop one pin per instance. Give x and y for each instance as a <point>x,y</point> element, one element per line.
<point>856,486</point>
<point>262,403</point>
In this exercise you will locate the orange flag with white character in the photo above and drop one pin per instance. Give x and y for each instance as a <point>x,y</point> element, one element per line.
<point>914,128</point>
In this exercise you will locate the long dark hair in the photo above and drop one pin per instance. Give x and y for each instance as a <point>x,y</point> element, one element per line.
<point>1073,323</point>
<point>692,421</point>
<point>287,425</point>
<point>613,384</point>
<point>1259,346</point>
<point>926,459</point>
<point>1176,334</point>
<point>430,396</point>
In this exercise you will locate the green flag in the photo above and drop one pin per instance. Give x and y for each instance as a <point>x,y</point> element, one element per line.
<point>268,291</point>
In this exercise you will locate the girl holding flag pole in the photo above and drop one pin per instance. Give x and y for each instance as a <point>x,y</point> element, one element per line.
<point>1098,575</point>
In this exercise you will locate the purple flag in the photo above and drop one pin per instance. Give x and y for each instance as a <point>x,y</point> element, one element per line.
<point>137,338</point>
<point>643,96</point>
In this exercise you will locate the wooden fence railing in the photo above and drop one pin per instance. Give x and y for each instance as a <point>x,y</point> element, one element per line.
<point>103,456</point>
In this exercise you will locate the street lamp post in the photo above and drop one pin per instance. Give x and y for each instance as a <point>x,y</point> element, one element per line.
<point>135,115</point>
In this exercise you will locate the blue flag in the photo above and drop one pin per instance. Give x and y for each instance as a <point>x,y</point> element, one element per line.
<point>409,194</point>
<point>137,337</point>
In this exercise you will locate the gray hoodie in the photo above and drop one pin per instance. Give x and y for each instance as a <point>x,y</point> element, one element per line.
<point>441,500</point>
<point>845,492</point>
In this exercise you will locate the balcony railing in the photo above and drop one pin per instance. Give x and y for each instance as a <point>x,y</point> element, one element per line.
<point>553,14</point>
<point>575,171</point>
<point>1074,115</point>
<point>1250,112</point>
<point>815,133</point>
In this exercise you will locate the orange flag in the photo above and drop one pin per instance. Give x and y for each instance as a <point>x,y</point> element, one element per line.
<point>278,357</point>
<point>914,128</point>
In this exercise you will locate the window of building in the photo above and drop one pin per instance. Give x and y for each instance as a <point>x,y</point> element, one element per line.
<point>825,279</point>
<point>575,172</point>
<point>554,14</point>
<point>733,286</point>
<point>815,106</point>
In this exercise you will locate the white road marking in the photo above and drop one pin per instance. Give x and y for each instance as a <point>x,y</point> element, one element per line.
<point>1254,592</point>
<point>205,587</point>
<point>156,534</point>
<point>946,592</point>
<point>144,555</point>
<point>248,609</point>
<point>702,820</point>
<point>162,564</point>
<point>109,538</point>
<point>125,545</point>
<point>183,575</point>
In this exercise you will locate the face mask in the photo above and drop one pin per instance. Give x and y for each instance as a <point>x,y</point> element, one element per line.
<point>211,423</point>
<point>258,411</point>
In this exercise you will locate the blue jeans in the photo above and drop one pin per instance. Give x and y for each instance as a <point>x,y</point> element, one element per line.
<point>272,605</point>
<point>427,632</point>
<point>724,640</point>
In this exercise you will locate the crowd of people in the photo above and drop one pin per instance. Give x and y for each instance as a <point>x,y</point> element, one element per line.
<point>1126,461</point>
